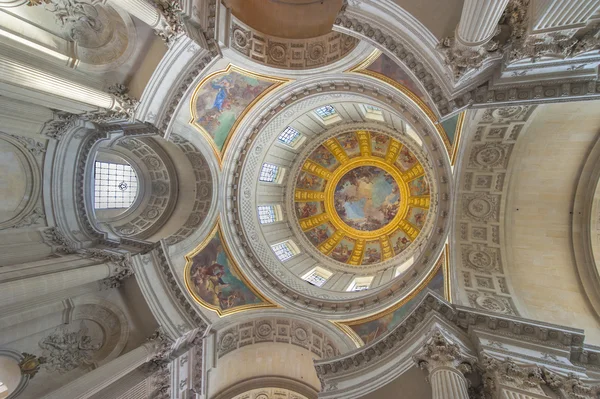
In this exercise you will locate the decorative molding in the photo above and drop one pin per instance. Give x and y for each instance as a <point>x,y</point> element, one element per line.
<point>204,190</point>
<point>435,313</point>
<point>277,330</point>
<point>254,142</point>
<point>482,186</point>
<point>289,53</point>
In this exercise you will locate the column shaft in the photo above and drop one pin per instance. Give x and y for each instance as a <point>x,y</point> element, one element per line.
<point>100,378</point>
<point>447,383</point>
<point>19,290</point>
<point>140,9</point>
<point>562,14</point>
<point>37,80</point>
<point>479,21</point>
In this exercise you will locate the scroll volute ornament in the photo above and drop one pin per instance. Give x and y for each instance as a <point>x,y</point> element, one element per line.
<point>441,352</point>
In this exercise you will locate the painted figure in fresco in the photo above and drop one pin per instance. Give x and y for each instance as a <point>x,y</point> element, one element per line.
<point>348,142</point>
<point>306,209</point>
<point>419,218</point>
<point>308,181</point>
<point>214,279</point>
<point>323,157</point>
<point>380,142</point>
<point>372,255</point>
<point>319,234</point>
<point>367,198</point>
<point>419,186</point>
<point>401,243</point>
<point>341,253</point>
<point>223,87</point>
<point>407,158</point>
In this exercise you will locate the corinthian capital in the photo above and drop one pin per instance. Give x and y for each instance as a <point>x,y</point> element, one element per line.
<point>506,374</point>
<point>439,351</point>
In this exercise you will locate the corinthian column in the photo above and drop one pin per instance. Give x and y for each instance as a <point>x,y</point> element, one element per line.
<point>445,364</point>
<point>506,379</point>
<point>479,21</point>
<point>164,20</point>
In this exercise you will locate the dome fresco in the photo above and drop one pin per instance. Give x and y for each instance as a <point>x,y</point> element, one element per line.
<point>361,198</point>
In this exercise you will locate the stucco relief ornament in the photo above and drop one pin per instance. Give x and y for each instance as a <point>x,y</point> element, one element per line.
<point>440,352</point>
<point>172,26</point>
<point>67,351</point>
<point>58,126</point>
<point>507,372</point>
<point>124,108</point>
<point>462,59</point>
<point>31,364</point>
<point>571,386</point>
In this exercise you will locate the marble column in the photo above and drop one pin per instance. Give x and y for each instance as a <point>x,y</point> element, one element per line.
<point>15,291</point>
<point>105,375</point>
<point>445,364</point>
<point>29,81</point>
<point>479,21</point>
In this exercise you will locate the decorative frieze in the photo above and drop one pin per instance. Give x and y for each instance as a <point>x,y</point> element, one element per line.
<point>290,53</point>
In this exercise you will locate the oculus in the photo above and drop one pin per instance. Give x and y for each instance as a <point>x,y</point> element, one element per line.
<point>361,197</point>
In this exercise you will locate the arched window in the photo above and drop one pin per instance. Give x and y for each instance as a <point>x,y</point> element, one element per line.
<point>115,185</point>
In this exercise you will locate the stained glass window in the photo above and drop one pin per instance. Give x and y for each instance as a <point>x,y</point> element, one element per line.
<point>325,111</point>
<point>283,250</point>
<point>266,214</point>
<point>289,136</point>
<point>269,172</point>
<point>115,185</point>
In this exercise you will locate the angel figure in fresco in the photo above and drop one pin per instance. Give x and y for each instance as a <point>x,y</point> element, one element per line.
<point>223,87</point>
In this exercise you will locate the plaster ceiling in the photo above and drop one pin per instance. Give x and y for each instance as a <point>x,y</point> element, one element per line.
<point>290,19</point>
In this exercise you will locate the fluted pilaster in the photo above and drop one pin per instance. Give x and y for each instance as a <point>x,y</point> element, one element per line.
<point>445,364</point>
<point>479,21</point>
<point>448,383</point>
<point>100,378</point>
<point>141,9</point>
<point>38,80</point>
<point>34,286</point>
<point>562,14</point>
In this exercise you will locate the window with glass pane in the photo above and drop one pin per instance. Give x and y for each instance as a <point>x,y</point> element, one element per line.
<point>266,214</point>
<point>315,278</point>
<point>325,111</point>
<point>115,185</point>
<point>289,136</point>
<point>360,287</point>
<point>269,172</point>
<point>283,250</point>
<point>372,108</point>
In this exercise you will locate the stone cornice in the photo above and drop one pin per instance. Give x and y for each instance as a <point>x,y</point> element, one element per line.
<point>464,318</point>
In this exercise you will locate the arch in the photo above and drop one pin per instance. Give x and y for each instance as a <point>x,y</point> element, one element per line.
<point>22,180</point>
